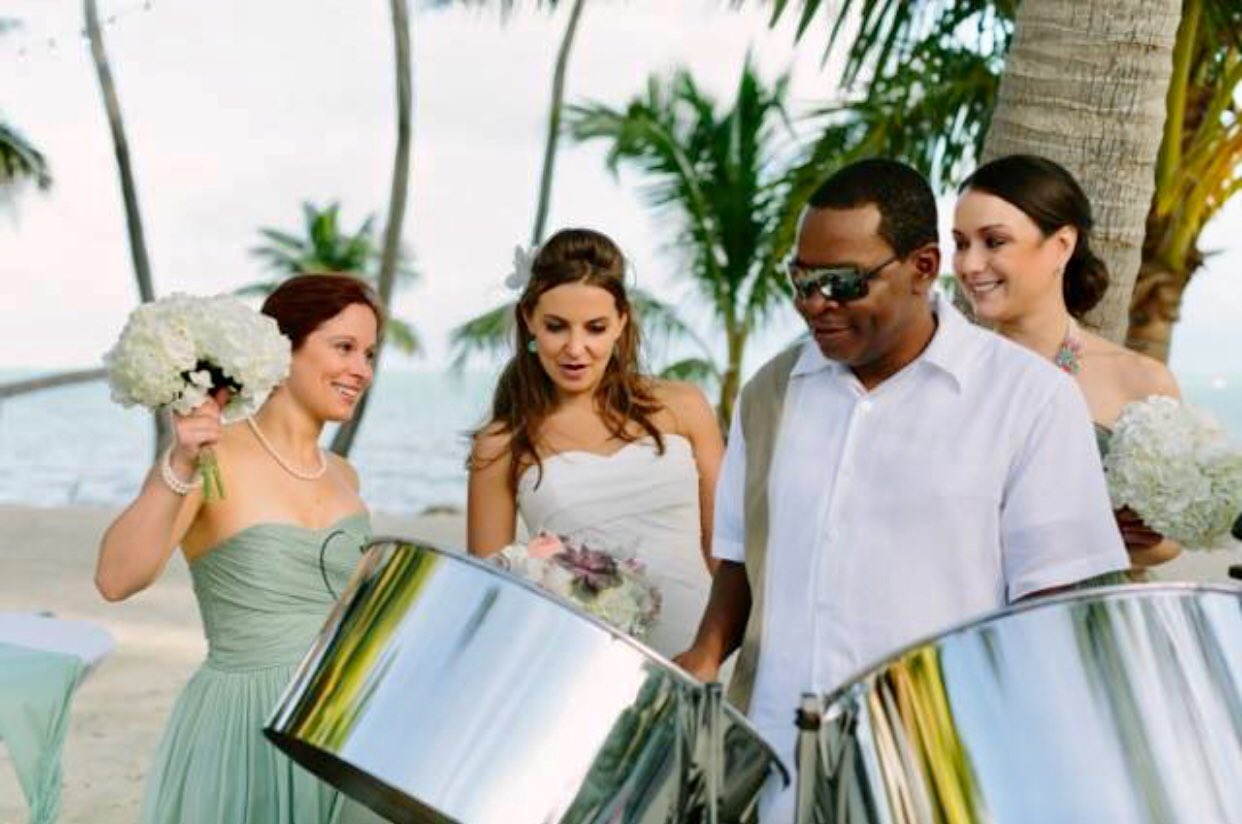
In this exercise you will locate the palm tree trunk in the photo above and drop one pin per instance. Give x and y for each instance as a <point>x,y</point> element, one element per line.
<point>554,122</point>
<point>344,440</point>
<point>129,191</point>
<point>1154,310</point>
<point>1084,84</point>
<point>22,387</point>
<point>1156,303</point>
<point>731,380</point>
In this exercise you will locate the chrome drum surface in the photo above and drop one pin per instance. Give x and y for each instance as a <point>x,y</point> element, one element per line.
<point>443,689</point>
<point>1121,704</point>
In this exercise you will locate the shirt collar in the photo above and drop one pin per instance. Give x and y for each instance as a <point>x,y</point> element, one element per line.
<point>947,351</point>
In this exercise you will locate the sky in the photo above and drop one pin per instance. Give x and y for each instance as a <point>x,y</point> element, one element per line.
<point>238,115</point>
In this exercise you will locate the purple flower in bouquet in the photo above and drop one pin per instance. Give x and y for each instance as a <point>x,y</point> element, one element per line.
<point>594,570</point>
<point>611,587</point>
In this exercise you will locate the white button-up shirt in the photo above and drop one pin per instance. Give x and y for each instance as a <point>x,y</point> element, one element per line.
<point>963,482</point>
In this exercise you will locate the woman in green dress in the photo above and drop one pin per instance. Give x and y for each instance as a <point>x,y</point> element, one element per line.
<point>1022,256</point>
<point>266,563</point>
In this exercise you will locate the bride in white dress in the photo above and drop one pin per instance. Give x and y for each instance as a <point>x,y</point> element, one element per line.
<point>583,446</point>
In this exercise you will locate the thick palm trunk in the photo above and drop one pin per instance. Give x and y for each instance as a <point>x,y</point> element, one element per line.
<point>554,122</point>
<point>1084,84</point>
<point>129,191</point>
<point>344,439</point>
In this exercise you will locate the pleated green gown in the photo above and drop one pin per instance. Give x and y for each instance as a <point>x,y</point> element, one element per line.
<point>263,598</point>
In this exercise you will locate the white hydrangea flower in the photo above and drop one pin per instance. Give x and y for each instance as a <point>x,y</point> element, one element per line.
<point>1174,466</point>
<point>164,355</point>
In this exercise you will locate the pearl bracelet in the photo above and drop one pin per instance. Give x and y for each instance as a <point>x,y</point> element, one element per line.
<point>172,481</point>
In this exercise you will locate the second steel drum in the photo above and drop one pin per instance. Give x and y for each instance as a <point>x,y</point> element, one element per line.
<point>442,689</point>
<point>1112,705</point>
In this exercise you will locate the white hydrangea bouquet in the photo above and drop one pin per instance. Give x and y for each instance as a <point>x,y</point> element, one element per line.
<point>1175,467</point>
<point>614,589</point>
<point>175,352</point>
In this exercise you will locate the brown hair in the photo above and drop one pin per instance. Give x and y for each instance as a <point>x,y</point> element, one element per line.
<point>525,395</point>
<point>303,302</point>
<point>1050,196</point>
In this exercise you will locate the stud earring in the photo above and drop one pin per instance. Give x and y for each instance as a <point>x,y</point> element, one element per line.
<point>531,346</point>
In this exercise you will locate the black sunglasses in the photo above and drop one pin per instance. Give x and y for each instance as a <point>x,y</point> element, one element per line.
<point>839,283</point>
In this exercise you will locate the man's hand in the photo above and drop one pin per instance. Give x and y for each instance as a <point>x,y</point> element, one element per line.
<point>699,664</point>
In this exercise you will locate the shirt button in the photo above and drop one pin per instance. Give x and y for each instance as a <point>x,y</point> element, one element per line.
<point>865,406</point>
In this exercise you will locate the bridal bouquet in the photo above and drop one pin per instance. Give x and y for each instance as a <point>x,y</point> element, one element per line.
<point>615,590</point>
<point>175,352</point>
<point>1175,467</point>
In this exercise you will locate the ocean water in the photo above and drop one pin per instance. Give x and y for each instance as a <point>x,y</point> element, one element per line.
<point>74,446</point>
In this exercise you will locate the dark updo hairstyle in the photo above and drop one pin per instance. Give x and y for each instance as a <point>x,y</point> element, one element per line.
<point>1050,196</point>
<point>525,395</point>
<point>304,302</point>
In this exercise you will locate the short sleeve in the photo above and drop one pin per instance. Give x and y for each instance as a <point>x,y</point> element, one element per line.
<point>729,521</point>
<point>1057,524</point>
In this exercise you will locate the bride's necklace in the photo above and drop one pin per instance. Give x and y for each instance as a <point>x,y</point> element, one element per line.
<point>1069,354</point>
<point>313,475</point>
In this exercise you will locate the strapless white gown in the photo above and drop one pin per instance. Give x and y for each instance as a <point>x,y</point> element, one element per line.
<point>636,501</point>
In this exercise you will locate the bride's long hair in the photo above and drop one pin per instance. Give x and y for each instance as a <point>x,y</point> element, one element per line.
<point>525,395</point>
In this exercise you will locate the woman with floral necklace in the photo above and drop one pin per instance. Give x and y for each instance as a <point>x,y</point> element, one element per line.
<point>266,563</point>
<point>1022,240</point>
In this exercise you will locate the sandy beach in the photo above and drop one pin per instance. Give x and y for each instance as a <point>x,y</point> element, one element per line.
<point>119,712</point>
<point>47,562</point>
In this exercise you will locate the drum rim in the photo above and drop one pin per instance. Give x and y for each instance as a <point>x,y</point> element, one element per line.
<point>1113,592</point>
<point>735,715</point>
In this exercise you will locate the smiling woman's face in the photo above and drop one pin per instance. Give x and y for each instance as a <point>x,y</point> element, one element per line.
<point>575,327</point>
<point>1003,262</point>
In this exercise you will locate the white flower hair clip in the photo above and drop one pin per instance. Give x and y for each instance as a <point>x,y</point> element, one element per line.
<point>523,265</point>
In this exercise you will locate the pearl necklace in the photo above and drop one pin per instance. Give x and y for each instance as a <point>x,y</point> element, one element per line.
<point>1069,354</point>
<point>313,475</point>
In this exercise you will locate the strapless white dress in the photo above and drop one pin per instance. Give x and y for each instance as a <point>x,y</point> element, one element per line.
<point>635,501</point>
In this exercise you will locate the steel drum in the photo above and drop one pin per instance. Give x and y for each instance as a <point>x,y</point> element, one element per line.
<point>444,689</point>
<point>1121,704</point>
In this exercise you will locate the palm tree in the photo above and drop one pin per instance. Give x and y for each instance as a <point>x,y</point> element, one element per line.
<point>1085,84</point>
<point>1198,170</point>
<point>129,190</point>
<point>718,177</point>
<point>925,80</point>
<point>555,106</point>
<point>20,161</point>
<point>325,249</point>
<point>398,194</point>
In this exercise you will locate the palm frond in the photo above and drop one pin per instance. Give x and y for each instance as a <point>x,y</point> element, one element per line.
<point>400,334</point>
<point>20,160</point>
<point>258,289</point>
<point>661,323</point>
<point>695,370</point>
<point>488,334</point>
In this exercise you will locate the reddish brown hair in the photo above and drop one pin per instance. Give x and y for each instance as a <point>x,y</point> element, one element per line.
<point>303,302</point>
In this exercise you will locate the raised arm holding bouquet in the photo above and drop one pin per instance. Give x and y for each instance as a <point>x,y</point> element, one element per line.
<point>267,559</point>
<point>203,359</point>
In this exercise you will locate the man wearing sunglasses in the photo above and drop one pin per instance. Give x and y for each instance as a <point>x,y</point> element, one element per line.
<point>901,472</point>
